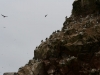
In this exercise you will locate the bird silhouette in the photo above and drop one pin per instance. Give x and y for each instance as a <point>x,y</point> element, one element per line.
<point>45,15</point>
<point>4,16</point>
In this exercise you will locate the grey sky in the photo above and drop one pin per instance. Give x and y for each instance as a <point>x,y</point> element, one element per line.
<point>25,27</point>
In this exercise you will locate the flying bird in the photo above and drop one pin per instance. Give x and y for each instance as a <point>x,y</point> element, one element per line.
<point>45,15</point>
<point>4,16</point>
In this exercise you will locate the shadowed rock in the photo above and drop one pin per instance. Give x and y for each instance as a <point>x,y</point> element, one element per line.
<point>10,73</point>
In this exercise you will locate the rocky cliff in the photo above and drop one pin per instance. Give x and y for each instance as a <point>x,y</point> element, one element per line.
<point>73,50</point>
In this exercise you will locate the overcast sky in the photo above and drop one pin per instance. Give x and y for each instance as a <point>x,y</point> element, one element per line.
<point>25,27</point>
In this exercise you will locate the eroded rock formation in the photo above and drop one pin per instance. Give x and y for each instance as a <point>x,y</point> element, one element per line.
<point>86,7</point>
<point>73,50</point>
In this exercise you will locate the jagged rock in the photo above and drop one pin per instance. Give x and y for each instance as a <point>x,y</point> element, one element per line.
<point>86,7</point>
<point>33,68</point>
<point>75,50</point>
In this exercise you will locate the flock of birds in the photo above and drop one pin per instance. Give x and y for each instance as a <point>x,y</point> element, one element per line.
<point>7,16</point>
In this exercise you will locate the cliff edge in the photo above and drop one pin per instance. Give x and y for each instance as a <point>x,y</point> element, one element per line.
<point>73,50</point>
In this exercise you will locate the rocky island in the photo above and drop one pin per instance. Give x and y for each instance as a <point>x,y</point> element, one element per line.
<point>73,50</point>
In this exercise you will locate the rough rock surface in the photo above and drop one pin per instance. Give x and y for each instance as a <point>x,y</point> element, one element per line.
<point>10,73</point>
<point>73,50</point>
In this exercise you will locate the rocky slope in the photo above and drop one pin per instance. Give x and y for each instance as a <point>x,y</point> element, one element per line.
<point>75,50</point>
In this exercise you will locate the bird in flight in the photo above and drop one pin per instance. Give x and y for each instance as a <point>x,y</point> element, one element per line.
<point>4,16</point>
<point>45,15</point>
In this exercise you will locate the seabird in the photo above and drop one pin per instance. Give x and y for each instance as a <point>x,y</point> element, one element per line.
<point>41,40</point>
<point>4,16</point>
<point>45,15</point>
<point>97,22</point>
<point>65,18</point>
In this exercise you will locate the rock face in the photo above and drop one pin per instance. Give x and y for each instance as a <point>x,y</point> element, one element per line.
<point>75,50</point>
<point>86,7</point>
<point>10,73</point>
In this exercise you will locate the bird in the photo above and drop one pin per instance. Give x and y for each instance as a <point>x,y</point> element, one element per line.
<point>65,18</point>
<point>4,16</point>
<point>45,15</point>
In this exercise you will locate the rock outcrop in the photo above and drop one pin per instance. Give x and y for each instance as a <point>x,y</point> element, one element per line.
<point>10,73</point>
<point>73,50</point>
<point>86,7</point>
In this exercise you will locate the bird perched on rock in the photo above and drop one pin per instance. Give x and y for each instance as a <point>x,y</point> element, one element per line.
<point>65,18</point>
<point>4,16</point>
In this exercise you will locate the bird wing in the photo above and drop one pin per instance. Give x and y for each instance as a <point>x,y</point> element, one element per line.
<point>4,15</point>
